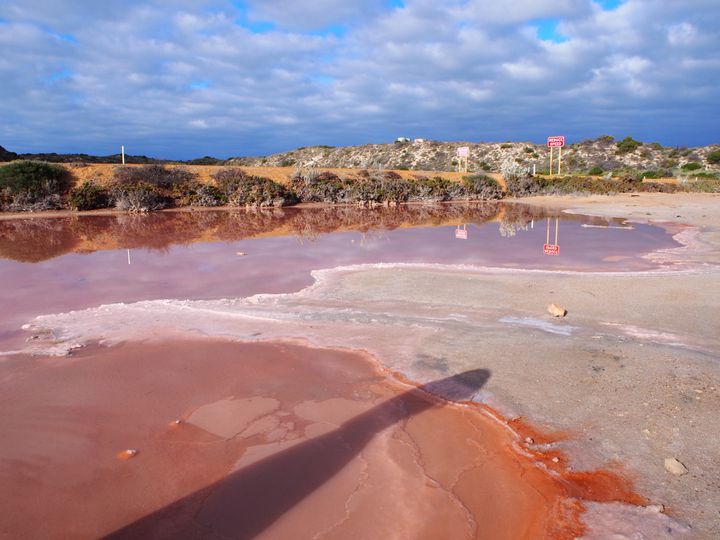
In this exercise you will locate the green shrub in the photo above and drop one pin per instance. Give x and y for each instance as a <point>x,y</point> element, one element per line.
<point>287,163</point>
<point>650,174</point>
<point>714,157</point>
<point>627,145</point>
<point>506,145</point>
<point>437,189</point>
<point>595,171</point>
<point>207,195</point>
<point>523,186</point>
<point>691,166</point>
<point>88,196</point>
<point>244,190</point>
<point>480,186</point>
<point>33,185</point>
<point>324,187</point>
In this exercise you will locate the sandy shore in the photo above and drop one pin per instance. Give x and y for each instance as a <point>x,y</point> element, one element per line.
<point>630,376</point>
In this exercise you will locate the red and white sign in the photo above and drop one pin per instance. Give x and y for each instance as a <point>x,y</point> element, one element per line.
<point>551,249</point>
<point>463,151</point>
<point>461,234</point>
<point>557,141</point>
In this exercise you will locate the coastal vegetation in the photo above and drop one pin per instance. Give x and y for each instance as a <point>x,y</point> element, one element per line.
<point>36,186</point>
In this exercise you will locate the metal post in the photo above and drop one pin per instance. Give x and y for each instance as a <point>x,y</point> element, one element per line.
<point>122,149</point>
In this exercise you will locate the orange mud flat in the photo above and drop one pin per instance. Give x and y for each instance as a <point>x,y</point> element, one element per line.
<point>211,439</point>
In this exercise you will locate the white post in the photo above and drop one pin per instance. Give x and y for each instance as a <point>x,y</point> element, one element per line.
<point>122,148</point>
<point>533,169</point>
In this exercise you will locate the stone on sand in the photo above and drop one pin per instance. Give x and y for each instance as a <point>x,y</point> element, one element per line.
<point>556,311</point>
<point>673,466</point>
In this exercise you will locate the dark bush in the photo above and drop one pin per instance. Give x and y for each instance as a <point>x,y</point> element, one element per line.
<point>595,171</point>
<point>480,186</point>
<point>437,189</point>
<point>139,197</point>
<point>154,175</point>
<point>324,187</point>
<point>244,190</point>
<point>505,146</point>
<point>88,196</point>
<point>207,195</point>
<point>627,145</point>
<point>650,174</point>
<point>691,166</point>
<point>33,185</point>
<point>523,186</point>
<point>714,157</point>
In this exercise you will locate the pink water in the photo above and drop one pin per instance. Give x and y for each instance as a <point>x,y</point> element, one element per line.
<point>61,264</point>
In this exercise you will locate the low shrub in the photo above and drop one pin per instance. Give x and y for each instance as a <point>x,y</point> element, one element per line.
<point>242,189</point>
<point>627,145</point>
<point>595,171</point>
<point>324,187</point>
<point>88,196</point>
<point>704,185</point>
<point>33,185</point>
<point>139,197</point>
<point>523,186</point>
<point>207,195</point>
<point>480,186</point>
<point>436,189</point>
<point>691,166</point>
<point>714,157</point>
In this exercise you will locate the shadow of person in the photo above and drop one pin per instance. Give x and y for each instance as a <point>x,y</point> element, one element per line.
<point>248,501</point>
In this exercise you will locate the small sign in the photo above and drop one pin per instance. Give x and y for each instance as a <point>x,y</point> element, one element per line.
<point>551,249</point>
<point>557,141</point>
<point>463,151</point>
<point>461,234</point>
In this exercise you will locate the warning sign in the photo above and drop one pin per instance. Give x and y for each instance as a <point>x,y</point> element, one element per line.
<point>551,249</point>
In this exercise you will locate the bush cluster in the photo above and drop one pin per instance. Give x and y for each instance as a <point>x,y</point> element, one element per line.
<point>241,189</point>
<point>627,145</point>
<point>88,196</point>
<point>714,157</point>
<point>33,186</point>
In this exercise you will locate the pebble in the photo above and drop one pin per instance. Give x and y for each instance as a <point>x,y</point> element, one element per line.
<point>529,440</point>
<point>556,460</point>
<point>673,466</point>
<point>241,253</point>
<point>556,311</point>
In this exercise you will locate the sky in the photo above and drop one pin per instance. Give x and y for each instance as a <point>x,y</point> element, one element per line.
<point>180,79</point>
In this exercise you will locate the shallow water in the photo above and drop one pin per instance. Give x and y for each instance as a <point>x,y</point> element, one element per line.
<point>61,264</point>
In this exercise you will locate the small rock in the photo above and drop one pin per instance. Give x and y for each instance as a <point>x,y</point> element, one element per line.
<point>673,466</point>
<point>556,460</point>
<point>556,311</point>
<point>178,422</point>
<point>127,454</point>
<point>529,440</point>
<point>241,253</point>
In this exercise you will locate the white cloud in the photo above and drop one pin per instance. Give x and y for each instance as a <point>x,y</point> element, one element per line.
<point>80,75</point>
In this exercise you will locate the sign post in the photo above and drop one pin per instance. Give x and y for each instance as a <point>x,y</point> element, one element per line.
<point>557,141</point>
<point>548,248</point>
<point>463,153</point>
<point>461,233</point>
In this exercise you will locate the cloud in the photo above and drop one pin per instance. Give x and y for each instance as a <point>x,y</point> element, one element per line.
<point>178,78</point>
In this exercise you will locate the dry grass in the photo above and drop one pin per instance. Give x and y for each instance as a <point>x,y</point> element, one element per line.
<point>102,173</point>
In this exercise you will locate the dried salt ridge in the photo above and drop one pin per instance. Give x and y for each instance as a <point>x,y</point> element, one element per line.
<point>452,313</point>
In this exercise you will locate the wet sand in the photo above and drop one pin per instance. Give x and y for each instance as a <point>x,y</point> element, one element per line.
<point>274,441</point>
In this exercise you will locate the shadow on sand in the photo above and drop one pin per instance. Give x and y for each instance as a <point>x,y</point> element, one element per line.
<point>248,501</point>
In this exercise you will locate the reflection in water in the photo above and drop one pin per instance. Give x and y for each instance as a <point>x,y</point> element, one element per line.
<point>38,239</point>
<point>34,240</point>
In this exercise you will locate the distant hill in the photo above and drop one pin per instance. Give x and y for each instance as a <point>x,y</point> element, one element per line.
<point>599,155</point>
<point>604,153</point>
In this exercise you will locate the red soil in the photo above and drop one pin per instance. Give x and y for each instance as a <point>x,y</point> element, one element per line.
<point>328,444</point>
